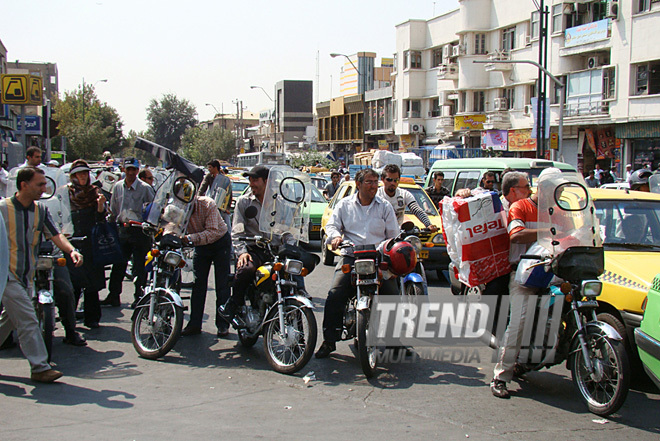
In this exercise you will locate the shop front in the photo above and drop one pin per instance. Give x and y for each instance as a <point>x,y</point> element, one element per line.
<point>642,140</point>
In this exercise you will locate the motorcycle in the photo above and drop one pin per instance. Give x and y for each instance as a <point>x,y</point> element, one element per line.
<point>157,318</point>
<point>274,306</point>
<point>367,272</point>
<point>413,283</point>
<point>569,236</point>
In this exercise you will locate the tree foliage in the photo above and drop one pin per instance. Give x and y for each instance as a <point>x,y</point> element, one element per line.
<point>200,145</point>
<point>309,159</point>
<point>168,119</point>
<point>90,126</point>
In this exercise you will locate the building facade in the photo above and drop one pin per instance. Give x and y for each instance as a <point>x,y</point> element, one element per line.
<point>293,112</point>
<point>598,49</point>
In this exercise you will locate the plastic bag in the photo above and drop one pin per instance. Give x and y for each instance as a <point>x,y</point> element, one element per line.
<point>538,276</point>
<point>477,241</point>
<point>105,244</point>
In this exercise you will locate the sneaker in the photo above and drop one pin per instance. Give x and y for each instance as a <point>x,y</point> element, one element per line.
<point>326,348</point>
<point>46,376</point>
<point>498,388</point>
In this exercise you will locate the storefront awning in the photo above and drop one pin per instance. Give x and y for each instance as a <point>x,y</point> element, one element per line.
<point>644,129</point>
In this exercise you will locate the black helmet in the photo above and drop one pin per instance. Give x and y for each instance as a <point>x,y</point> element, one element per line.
<point>639,177</point>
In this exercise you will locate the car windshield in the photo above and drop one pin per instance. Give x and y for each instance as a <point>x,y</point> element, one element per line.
<point>237,187</point>
<point>423,200</point>
<point>317,196</point>
<point>629,224</point>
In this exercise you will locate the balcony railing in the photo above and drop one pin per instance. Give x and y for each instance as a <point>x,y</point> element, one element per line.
<point>413,114</point>
<point>587,108</point>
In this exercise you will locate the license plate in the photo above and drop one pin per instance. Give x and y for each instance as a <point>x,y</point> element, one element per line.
<point>424,254</point>
<point>316,228</point>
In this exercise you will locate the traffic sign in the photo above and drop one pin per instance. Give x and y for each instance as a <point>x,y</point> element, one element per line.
<point>36,91</point>
<point>14,89</point>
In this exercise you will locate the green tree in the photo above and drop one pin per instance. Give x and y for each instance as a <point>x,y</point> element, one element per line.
<point>88,137</point>
<point>309,159</point>
<point>168,119</point>
<point>200,145</point>
<point>145,158</point>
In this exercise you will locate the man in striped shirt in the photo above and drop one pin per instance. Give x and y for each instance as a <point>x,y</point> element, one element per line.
<point>208,233</point>
<point>26,221</point>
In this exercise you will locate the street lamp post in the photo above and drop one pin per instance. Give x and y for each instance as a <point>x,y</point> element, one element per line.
<point>556,80</point>
<point>359,74</point>
<point>221,113</point>
<point>83,95</point>
<point>276,116</point>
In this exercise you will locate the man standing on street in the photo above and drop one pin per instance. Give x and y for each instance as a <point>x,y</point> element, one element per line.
<point>129,196</point>
<point>208,233</point>
<point>364,219</point>
<point>522,228</point>
<point>331,187</point>
<point>437,192</point>
<point>32,157</point>
<point>26,221</point>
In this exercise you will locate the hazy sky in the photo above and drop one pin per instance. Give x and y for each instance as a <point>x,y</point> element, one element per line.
<point>205,51</point>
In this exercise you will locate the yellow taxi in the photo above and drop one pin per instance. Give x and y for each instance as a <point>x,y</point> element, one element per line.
<point>630,228</point>
<point>434,250</point>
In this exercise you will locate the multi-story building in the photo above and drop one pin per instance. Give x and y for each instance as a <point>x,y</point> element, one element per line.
<point>293,112</point>
<point>598,49</point>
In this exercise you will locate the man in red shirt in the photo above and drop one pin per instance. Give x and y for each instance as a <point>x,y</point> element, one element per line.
<point>522,228</point>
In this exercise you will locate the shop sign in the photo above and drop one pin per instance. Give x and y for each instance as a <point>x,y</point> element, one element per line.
<point>382,144</point>
<point>469,122</point>
<point>521,141</point>
<point>494,139</point>
<point>406,142</point>
<point>587,33</point>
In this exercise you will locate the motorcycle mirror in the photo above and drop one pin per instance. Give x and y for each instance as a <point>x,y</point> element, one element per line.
<point>50,189</point>
<point>251,212</point>
<point>407,226</point>
<point>184,190</point>
<point>292,190</point>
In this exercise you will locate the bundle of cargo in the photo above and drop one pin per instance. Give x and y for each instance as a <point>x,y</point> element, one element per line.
<point>363,158</point>
<point>383,157</point>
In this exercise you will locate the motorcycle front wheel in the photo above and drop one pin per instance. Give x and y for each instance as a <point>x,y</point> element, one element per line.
<point>46,315</point>
<point>153,339</point>
<point>414,289</point>
<point>605,391</point>
<point>288,350</point>
<point>367,354</point>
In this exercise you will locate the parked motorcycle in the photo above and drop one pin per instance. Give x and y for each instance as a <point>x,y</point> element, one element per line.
<point>593,350</point>
<point>274,306</point>
<point>158,316</point>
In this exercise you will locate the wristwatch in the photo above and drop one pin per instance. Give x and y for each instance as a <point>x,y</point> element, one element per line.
<point>189,239</point>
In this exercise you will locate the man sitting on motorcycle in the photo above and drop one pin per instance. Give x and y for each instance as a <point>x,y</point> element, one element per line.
<point>26,221</point>
<point>522,228</point>
<point>401,198</point>
<point>364,219</point>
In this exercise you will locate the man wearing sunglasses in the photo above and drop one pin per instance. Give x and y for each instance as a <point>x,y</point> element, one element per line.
<point>400,198</point>
<point>488,181</point>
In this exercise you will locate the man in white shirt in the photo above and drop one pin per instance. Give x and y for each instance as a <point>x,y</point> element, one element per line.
<point>364,219</point>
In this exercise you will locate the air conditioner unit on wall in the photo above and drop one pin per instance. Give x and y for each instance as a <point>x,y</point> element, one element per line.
<point>594,62</point>
<point>456,51</point>
<point>416,128</point>
<point>446,52</point>
<point>612,9</point>
<point>501,104</point>
<point>528,110</point>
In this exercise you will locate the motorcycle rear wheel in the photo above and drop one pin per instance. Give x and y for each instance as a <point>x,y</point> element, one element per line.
<point>289,353</point>
<point>46,315</point>
<point>155,341</point>
<point>367,354</point>
<point>607,394</point>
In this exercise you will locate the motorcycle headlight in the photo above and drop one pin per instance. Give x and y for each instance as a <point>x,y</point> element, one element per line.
<point>365,267</point>
<point>591,288</point>
<point>44,263</point>
<point>437,239</point>
<point>293,267</point>
<point>173,258</point>
<point>415,242</point>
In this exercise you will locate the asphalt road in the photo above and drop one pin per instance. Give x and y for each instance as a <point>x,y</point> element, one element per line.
<point>214,389</point>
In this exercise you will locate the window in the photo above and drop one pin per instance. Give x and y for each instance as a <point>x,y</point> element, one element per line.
<point>394,61</point>
<point>415,59</point>
<point>509,38</point>
<point>480,44</point>
<point>436,57</point>
<point>556,96</point>
<point>557,18</point>
<point>647,78</point>
<point>435,108</point>
<point>405,60</point>
<point>467,179</point>
<point>462,103</point>
<point>585,93</point>
<point>609,83</point>
<point>642,6</point>
<point>479,104</point>
<point>536,24</point>
<point>413,109</point>
<point>509,94</point>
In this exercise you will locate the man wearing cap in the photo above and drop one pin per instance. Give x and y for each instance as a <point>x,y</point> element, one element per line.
<point>248,260</point>
<point>129,197</point>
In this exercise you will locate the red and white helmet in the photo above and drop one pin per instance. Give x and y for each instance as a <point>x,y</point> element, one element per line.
<point>400,257</point>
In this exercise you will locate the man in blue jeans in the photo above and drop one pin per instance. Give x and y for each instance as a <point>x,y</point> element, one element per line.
<point>207,232</point>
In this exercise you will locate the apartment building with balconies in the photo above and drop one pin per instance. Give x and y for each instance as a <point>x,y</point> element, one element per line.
<point>599,49</point>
